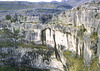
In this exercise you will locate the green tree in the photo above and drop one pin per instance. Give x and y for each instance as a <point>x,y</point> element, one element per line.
<point>8,17</point>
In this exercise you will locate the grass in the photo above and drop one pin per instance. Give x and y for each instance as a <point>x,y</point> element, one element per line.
<point>33,46</point>
<point>57,21</point>
<point>76,64</point>
<point>76,26</point>
<point>50,23</point>
<point>93,65</point>
<point>60,22</point>
<point>34,23</point>
<point>3,68</point>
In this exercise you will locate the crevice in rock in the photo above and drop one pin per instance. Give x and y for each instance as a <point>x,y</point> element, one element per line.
<point>43,37</point>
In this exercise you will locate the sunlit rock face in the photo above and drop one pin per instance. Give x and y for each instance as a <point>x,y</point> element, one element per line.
<point>85,20</point>
<point>49,37</point>
<point>61,39</point>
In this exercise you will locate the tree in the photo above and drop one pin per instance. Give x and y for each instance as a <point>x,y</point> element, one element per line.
<point>8,17</point>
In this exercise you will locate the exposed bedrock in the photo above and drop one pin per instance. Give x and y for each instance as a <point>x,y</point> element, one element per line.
<point>50,59</point>
<point>76,30</point>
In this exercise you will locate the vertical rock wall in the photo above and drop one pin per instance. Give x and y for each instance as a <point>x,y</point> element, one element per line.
<point>86,42</point>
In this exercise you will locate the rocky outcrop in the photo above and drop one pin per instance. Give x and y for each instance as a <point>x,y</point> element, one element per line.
<point>86,20</point>
<point>76,30</point>
<point>50,59</point>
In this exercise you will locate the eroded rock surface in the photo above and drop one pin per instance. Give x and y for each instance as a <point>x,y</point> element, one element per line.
<point>76,30</point>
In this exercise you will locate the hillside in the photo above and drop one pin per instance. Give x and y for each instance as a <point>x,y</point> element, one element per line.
<point>34,5</point>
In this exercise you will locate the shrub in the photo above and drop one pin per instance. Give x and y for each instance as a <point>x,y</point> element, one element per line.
<point>93,64</point>
<point>94,37</point>
<point>8,17</point>
<point>81,31</point>
<point>78,8</point>
<point>15,18</point>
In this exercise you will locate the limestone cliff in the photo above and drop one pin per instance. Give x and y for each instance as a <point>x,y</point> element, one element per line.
<point>86,19</point>
<point>76,30</point>
<point>49,59</point>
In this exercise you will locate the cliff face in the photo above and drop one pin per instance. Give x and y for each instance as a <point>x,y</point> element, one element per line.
<point>86,19</point>
<point>76,30</point>
<point>49,59</point>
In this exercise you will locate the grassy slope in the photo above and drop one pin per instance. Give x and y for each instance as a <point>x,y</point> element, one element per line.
<point>77,64</point>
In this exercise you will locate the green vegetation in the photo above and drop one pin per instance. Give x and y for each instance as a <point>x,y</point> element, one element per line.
<point>8,17</point>
<point>9,38</point>
<point>16,36</point>
<point>6,36</point>
<point>50,23</point>
<point>82,29</point>
<point>57,21</point>
<point>33,46</point>
<point>76,26</point>
<point>93,65</point>
<point>13,19</point>
<point>94,37</point>
<point>75,64</point>
<point>5,68</point>
<point>45,18</point>
<point>78,8</point>
<point>60,22</point>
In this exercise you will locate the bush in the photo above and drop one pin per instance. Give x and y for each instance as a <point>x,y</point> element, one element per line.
<point>8,17</point>
<point>94,37</point>
<point>93,64</point>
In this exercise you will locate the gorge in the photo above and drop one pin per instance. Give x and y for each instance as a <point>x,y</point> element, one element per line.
<point>45,40</point>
